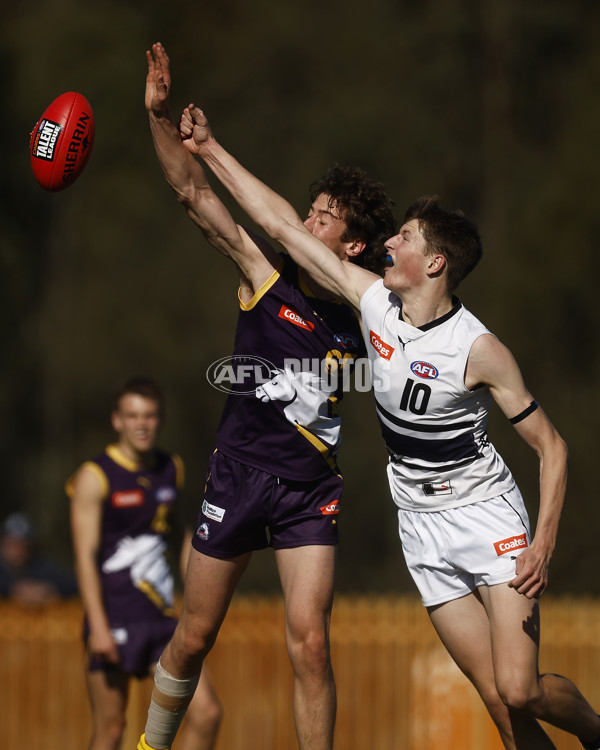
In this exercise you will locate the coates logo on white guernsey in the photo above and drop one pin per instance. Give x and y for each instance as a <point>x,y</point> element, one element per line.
<point>385,350</point>
<point>511,544</point>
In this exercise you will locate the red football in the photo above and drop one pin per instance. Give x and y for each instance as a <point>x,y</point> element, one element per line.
<point>61,141</point>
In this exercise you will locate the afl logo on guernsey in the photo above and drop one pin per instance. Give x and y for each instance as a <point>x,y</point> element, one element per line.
<point>424,370</point>
<point>166,495</point>
<point>346,340</point>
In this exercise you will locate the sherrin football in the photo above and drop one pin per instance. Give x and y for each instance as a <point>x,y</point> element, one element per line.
<point>61,141</point>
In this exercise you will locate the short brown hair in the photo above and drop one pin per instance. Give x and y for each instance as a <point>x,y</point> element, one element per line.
<point>449,233</point>
<point>140,386</point>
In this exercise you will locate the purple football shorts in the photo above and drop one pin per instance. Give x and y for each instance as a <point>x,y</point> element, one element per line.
<point>246,509</point>
<point>140,645</point>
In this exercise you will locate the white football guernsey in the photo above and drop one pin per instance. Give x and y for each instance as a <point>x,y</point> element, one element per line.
<point>433,426</point>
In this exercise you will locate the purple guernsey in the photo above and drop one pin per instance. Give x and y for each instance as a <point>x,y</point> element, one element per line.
<point>281,417</point>
<point>137,582</point>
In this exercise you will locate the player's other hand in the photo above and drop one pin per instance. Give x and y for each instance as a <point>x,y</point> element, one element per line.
<point>102,646</point>
<point>194,129</point>
<point>158,80</point>
<point>531,574</point>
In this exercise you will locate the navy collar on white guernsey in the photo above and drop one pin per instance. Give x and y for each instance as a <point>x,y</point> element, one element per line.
<point>456,306</point>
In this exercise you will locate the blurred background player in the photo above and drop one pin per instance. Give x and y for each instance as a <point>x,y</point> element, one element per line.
<point>273,480</point>
<point>122,511</point>
<point>26,575</point>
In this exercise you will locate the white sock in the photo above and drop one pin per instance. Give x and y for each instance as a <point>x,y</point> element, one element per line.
<point>170,699</point>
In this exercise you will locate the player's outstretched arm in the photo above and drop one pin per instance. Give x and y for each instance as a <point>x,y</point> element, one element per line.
<point>492,364</point>
<point>275,215</point>
<point>185,175</point>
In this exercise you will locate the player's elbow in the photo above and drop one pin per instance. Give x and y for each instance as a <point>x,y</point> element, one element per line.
<point>557,454</point>
<point>564,451</point>
<point>282,229</point>
<point>190,195</point>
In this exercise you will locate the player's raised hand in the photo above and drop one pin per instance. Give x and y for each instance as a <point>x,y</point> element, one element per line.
<point>158,80</point>
<point>194,129</point>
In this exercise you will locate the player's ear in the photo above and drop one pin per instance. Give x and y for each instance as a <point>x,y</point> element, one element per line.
<point>115,420</point>
<point>355,248</point>
<point>436,264</point>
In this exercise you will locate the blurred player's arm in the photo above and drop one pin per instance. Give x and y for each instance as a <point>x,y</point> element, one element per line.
<point>254,256</point>
<point>87,498</point>
<point>492,364</point>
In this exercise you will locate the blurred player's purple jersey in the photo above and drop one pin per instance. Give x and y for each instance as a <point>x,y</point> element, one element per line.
<point>280,413</point>
<point>137,582</point>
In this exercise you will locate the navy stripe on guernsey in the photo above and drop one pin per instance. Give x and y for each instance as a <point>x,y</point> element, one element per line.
<point>440,451</point>
<point>423,427</point>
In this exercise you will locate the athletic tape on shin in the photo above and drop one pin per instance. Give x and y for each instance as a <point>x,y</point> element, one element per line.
<point>170,699</point>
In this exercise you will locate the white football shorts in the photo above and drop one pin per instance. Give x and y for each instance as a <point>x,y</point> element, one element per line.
<point>450,553</point>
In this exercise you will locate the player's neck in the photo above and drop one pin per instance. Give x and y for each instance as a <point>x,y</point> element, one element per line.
<point>420,310</point>
<point>140,458</point>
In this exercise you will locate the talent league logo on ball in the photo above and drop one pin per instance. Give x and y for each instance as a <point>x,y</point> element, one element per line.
<point>424,370</point>
<point>45,140</point>
<point>239,374</point>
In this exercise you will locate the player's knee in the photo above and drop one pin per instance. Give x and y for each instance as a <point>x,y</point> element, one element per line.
<point>205,716</point>
<point>520,696</point>
<point>310,652</point>
<point>493,702</point>
<point>190,646</point>
<point>110,731</point>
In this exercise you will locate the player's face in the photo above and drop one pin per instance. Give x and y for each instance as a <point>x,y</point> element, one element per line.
<point>136,422</point>
<point>324,222</point>
<point>407,254</point>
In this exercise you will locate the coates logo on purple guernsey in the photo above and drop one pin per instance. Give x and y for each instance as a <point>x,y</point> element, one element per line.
<point>424,370</point>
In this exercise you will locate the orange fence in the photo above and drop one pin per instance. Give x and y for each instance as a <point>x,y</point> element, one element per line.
<point>397,688</point>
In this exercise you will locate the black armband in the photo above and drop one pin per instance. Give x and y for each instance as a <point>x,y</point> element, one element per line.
<point>525,413</point>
